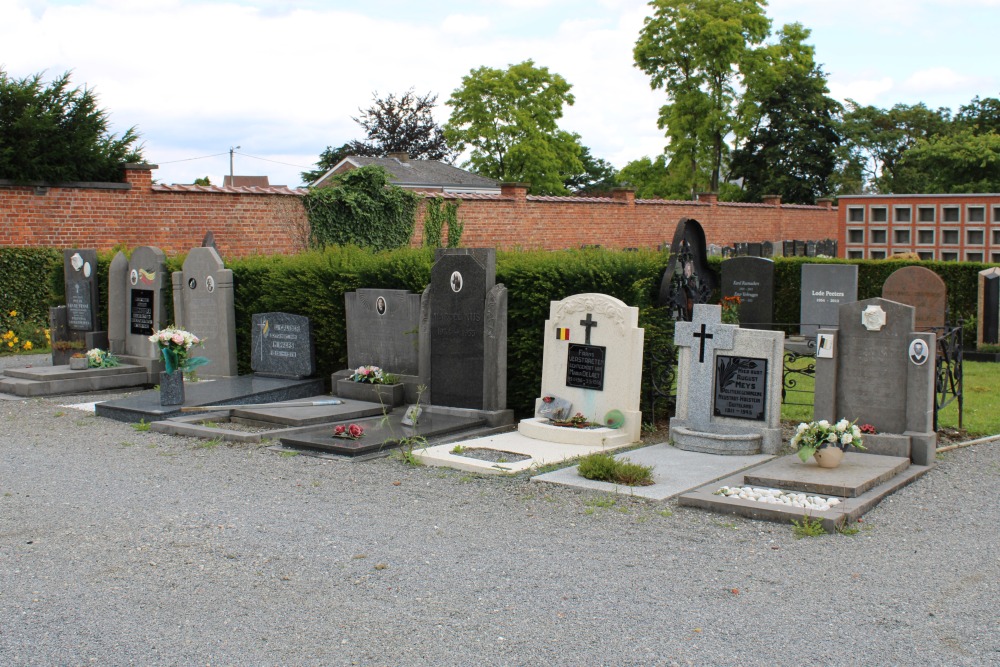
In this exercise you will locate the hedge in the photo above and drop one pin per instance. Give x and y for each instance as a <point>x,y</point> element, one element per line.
<point>313,284</point>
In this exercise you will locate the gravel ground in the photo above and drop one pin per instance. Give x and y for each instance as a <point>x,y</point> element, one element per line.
<point>120,547</point>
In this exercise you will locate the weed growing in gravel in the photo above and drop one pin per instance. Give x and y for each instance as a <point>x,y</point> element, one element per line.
<point>601,501</point>
<point>848,529</point>
<point>209,444</point>
<point>458,450</point>
<point>125,443</point>
<point>286,455</point>
<point>726,524</point>
<point>666,514</point>
<point>208,423</point>
<point>807,528</point>
<point>143,425</point>
<point>59,414</point>
<point>406,447</point>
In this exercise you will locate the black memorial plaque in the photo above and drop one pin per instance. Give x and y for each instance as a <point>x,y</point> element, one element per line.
<point>141,312</point>
<point>585,366</point>
<point>79,310</point>
<point>740,387</point>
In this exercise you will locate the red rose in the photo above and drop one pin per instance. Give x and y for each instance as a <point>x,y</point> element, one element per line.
<point>355,431</point>
<point>548,399</point>
<point>339,430</point>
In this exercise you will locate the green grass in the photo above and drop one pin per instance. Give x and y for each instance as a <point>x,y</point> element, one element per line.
<point>606,468</point>
<point>209,444</point>
<point>807,528</point>
<point>142,425</point>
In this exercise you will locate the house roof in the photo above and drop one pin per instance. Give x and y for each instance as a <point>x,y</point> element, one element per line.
<point>418,173</point>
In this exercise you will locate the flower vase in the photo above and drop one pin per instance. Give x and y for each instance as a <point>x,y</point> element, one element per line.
<point>829,457</point>
<point>171,388</point>
<point>78,363</point>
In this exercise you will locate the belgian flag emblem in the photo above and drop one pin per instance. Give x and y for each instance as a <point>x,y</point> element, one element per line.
<point>562,333</point>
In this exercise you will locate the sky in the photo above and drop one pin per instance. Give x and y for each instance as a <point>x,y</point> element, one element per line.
<point>277,82</point>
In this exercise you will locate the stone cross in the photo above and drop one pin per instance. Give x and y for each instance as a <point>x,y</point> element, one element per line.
<point>706,327</point>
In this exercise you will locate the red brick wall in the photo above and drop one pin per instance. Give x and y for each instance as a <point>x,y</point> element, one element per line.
<point>248,221</point>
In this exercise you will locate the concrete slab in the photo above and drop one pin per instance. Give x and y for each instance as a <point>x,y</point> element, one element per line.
<point>540,451</point>
<point>83,407</point>
<point>849,510</point>
<point>674,471</point>
<point>55,380</point>
<point>257,424</point>
<point>380,433</point>
<point>856,474</point>
<point>145,406</point>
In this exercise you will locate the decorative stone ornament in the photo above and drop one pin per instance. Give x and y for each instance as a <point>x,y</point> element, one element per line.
<point>873,318</point>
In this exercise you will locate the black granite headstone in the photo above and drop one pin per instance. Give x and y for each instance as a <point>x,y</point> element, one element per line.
<point>460,282</point>
<point>282,346</point>
<point>825,288</point>
<point>82,301</point>
<point>991,306</point>
<point>740,387</point>
<point>688,279</point>
<point>755,249</point>
<point>751,279</point>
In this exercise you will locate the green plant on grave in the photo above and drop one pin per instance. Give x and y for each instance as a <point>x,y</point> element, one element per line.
<point>604,467</point>
<point>141,425</point>
<point>458,450</point>
<point>807,528</point>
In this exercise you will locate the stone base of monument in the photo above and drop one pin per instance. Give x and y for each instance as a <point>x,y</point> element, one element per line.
<point>540,428</point>
<point>267,423</point>
<point>412,392</point>
<point>54,380</point>
<point>153,367</point>
<point>858,484</point>
<point>768,441</point>
<point>145,406</point>
<point>381,435</point>
<point>920,447</point>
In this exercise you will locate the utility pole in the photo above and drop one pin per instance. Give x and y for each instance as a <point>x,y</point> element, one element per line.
<point>232,149</point>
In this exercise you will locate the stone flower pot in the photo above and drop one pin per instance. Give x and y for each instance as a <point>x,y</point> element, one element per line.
<point>389,395</point>
<point>78,363</point>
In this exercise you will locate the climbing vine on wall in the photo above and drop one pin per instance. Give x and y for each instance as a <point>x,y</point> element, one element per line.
<point>441,214</point>
<point>362,208</point>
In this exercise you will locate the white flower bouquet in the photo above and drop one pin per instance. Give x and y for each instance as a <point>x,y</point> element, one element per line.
<point>817,435</point>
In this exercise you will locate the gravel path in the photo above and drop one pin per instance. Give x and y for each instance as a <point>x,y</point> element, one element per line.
<point>120,547</point>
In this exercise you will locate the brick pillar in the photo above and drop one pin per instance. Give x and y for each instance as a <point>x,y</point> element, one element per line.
<point>140,176</point>
<point>624,195</point>
<point>516,191</point>
<point>772,200</point>
<point>711,198</point>
<point>825,202</point>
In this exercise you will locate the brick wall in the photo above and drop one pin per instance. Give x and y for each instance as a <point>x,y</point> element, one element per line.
<point>247,220</point>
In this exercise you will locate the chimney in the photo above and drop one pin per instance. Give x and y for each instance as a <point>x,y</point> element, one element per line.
<point>402,157</point>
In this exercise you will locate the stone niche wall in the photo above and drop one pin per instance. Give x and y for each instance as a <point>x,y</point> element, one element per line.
<point>248,221</point>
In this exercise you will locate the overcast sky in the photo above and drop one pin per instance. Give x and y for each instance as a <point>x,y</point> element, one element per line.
<point>282,79</point>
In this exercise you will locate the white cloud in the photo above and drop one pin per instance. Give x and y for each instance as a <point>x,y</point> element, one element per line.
<point>464,24</point>
<point>862,91</point>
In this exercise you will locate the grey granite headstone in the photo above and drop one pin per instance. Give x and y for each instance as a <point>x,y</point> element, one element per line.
<point>117,299</point>
<point>924,290</point>
<point>881,372</point>
<point>728,386</point>
<point>825,287</point>
<point>145,291</point>
<point>462,369</point>
<point>383,327</point>
<point>82,297</point>
<point>988,308</point>
<point>752,280</point>
<point>209,241</point>
<point>282,346</point>
<point>203,305</point>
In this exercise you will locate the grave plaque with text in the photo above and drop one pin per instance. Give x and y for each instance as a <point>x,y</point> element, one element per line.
<point>585,366</point>
<point>282,345</point>
<point>141,312</point>
<point>740,387</point>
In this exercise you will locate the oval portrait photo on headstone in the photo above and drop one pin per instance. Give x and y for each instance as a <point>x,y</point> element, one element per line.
<point>380,305</point>
<point>134,277</point>
<point>918,352</point>
<point>192,283</point>
<point>210,284</point>
<point>86,269</point>
<point>456,281</point>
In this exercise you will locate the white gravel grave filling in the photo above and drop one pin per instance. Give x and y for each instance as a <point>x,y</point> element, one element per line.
<point>778,497</point>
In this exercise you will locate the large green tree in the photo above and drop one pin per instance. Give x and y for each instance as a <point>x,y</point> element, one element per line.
<point>598,175</point>
<point>791,124</point>
<point>56,133</point>
<point>696,51</point>
<point>960,161</point>
<point>509,121</point>
<point>403,124</point>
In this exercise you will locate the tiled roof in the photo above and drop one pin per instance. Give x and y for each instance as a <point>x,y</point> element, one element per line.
<point>217,189</point>
<point>416,173</point>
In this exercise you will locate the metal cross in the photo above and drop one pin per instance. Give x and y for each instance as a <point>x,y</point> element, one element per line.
<point>702,335</point>
<point>587,324</point>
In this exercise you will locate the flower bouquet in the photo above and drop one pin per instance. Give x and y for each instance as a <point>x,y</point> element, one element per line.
<point>372,375</point>
<point>814,436</point>
<point>98,358</point>
<point>350,432</point>
<point>175,345</point>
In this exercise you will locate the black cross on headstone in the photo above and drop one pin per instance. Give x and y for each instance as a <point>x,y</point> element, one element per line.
<point>702,335</point>
<point>587,324</point>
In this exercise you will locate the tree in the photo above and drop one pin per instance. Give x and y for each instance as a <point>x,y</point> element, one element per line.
<point>392,125</point>
<point>791,123</point>
<point>955,162</point>
<point>598,175</point>
<point>203,181</point>
<point>509,120</point>
<point>652,179</point>
<point>695,50</point>
<point>57,134</point>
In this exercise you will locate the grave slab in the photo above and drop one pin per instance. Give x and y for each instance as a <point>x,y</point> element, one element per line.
<point>380,434</point>
<point>674,471</point>
<point>54,380</point>
<point>540,451</point>
<point>856,474</point>
<point>849,510</point>
<point>145,406</point>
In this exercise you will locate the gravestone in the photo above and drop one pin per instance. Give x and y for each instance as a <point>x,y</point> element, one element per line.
<point>78,321</point>
<point>755,249</point>
<point>136,290</point>
<point>203,305</point>
<point>752,280</point>
<point>988,311</point>
<point>209,241</point>
<point>383,330</point>
<point>825,287</point>
<point>880,371</point>
<point>728,386</point>
<point>467,331</point>
<point>282,346</point>
<point>593,360</point>
<point>688,279</point>
<point>924,290</point>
